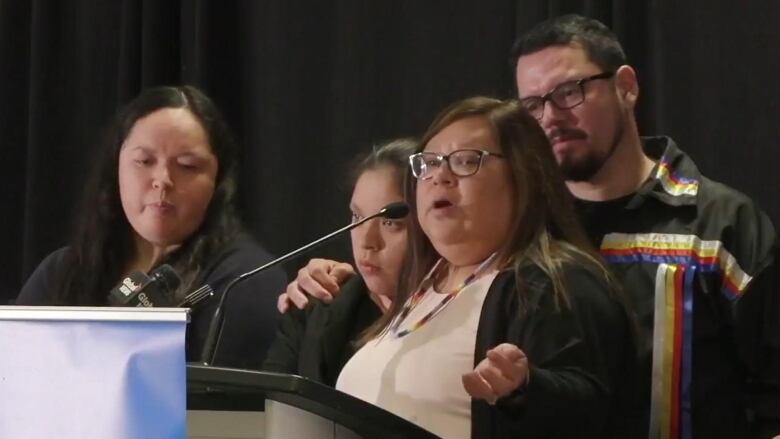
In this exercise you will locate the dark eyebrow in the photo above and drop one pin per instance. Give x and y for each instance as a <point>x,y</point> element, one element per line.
<point>568,81</point>
<point>138,147</point>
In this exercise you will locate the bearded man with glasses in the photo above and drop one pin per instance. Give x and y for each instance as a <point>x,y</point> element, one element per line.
<point>698,258</point>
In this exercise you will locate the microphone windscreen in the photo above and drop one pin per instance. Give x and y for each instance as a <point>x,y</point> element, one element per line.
<point>128,288</point>
<point>395,210</point>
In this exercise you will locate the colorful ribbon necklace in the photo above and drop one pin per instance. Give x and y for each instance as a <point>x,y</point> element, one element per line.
<point>447,298</point>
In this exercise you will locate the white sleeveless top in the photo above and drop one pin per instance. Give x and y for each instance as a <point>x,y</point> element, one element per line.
<point>418,376</point>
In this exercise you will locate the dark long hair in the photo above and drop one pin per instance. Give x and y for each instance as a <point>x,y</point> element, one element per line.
<point>102,243</point>
<point>394,154</point>
<point>545,231</point>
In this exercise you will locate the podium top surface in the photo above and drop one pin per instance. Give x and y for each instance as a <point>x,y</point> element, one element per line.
<point>104,313</point>
<point>365,419</point>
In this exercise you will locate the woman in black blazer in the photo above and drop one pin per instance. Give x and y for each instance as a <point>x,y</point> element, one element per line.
<point>317,341</point>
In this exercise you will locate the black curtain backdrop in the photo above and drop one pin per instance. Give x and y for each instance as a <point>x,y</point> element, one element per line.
<point>308,85</point>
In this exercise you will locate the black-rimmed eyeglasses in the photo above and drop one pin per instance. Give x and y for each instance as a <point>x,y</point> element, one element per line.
<point>463,162</point>
<point>564,96</point>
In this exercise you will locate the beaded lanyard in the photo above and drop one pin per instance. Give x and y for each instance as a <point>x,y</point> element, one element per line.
<point>418,295</point>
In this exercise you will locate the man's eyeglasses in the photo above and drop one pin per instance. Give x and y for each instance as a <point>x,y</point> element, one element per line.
<point>563,96</point>
<point>463,162</point>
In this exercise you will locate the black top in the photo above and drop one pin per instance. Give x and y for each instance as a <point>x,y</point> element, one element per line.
<point>581,356</point>
<point>250,312</point>
<point>724,251</point>
<point>317,341</point>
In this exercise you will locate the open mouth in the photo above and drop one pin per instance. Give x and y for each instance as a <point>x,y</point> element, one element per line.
<point>441,204</point>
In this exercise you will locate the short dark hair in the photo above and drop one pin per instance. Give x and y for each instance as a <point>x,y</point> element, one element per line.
<point>597,40</point>
<point>102,243</point>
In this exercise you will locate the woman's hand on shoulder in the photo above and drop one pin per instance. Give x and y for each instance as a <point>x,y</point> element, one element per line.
<point>504,370</point>
<point>320,278</point>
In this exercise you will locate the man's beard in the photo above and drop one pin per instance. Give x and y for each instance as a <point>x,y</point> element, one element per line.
<point>585,168</point>
<point>582,169</point>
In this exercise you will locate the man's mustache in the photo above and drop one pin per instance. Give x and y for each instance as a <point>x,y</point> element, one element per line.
<point>560,134</point>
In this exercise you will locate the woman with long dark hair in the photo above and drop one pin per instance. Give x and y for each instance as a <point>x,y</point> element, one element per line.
<point>505,323</point>
<point>163,192</point>
<point>316,341</point>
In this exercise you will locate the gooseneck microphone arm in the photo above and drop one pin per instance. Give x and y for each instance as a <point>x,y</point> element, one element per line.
<point>213,337</point>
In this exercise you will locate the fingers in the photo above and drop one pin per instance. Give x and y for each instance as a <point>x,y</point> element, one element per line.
<point>511,351</point>
<point>504,369</point>
<point>321,272</point>
<point>320,278</point>
<point>499,383</point>
<point>341,272</point>
<point>316,282</point>
<point>477,387</point>
<point>282,303</point>
<point>296,296</point>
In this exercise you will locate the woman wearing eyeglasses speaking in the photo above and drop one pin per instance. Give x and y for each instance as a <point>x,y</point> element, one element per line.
<point>505,324</point>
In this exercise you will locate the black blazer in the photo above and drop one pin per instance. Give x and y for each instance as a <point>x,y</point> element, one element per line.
<point>582,359</point>
<point>317,342</point>
<point>582,356</point>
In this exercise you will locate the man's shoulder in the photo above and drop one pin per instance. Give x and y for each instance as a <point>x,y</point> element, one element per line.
<point>726,207</point>
<point>714,192</point>
<point>743,227</point>
<point>719,207</point>
<point>723,223</point>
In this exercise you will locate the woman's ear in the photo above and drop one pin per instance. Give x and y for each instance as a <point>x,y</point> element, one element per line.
<point>627,86</point>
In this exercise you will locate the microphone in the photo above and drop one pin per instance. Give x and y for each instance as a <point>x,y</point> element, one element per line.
<point>395,210</point>
<point>141,290</point>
